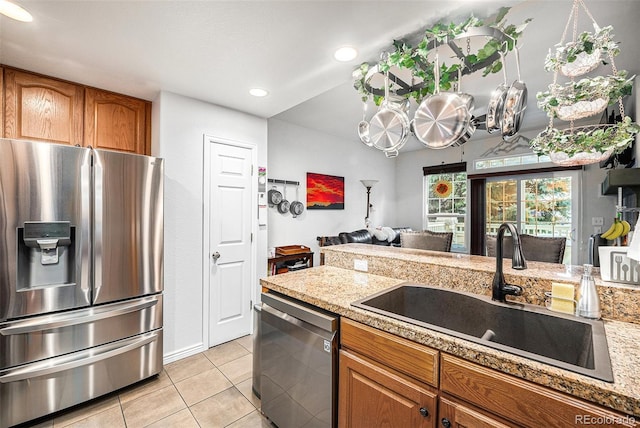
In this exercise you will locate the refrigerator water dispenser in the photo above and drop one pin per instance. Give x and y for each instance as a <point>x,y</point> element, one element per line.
<point>46,254</point>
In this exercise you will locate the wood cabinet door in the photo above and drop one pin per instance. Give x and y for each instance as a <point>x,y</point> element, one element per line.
<point>41,108</point>
<point>370,396</point>
<point>454,414</point>
<point>116,122</point>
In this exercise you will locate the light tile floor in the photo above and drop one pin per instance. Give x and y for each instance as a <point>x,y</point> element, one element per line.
<point>210,389</point>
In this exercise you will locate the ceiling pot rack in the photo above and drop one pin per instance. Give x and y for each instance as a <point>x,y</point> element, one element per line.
<point>406,87</point>
<point>409,73</point>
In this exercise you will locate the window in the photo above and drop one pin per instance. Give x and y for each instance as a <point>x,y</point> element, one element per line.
<point>539,204</point>
<point>446,202</point>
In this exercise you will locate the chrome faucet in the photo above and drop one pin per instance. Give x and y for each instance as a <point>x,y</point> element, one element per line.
<point>500,288</point>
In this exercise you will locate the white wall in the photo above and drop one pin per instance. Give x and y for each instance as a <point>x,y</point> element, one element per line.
<point>179,126</point>
<point>294,151</point>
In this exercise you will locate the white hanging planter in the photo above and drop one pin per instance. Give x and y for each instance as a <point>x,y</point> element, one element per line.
<point>579,158</point>
<point>583,64</point>
<point>582,109</point>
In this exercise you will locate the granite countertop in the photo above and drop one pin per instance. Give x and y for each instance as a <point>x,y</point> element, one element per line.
<point>474,274</point>
<point>334,289</point>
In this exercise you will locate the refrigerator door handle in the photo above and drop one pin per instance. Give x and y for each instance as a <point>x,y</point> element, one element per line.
<point>52,322</point>
<point>68,362</point>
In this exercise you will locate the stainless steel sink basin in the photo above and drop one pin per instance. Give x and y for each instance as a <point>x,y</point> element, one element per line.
<point>564,341</point>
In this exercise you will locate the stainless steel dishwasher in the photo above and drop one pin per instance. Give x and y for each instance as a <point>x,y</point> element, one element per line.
<point>299,363</point>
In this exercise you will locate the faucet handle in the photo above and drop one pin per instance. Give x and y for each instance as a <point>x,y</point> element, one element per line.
<point>512,289</point>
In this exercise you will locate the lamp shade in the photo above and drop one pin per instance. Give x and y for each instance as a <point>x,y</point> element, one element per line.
<point>368,183</point>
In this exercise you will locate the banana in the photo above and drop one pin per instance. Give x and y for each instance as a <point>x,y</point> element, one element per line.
<point>626,227</point>
<point>609,231</point>
<point>617,231</point>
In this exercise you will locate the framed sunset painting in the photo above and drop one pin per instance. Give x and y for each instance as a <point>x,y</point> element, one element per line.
<point>325,192</point>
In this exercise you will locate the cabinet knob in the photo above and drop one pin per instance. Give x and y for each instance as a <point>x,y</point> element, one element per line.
<point>215,256</point>
<point>446,423</point>
<point>424,412</point>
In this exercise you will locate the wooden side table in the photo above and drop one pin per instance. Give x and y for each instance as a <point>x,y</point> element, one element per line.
<point>273,261</point>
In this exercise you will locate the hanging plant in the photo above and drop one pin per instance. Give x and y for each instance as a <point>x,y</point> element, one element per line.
<point>416,60</point>
<point>584,54</point>
<point>584,98</point>
<point>587,139</point>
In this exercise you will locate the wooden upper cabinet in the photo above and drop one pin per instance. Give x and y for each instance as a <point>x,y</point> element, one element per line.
<point>41,108</point>
<point>116,122</point>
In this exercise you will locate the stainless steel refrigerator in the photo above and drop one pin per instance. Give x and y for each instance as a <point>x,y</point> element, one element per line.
<point>81,267</point>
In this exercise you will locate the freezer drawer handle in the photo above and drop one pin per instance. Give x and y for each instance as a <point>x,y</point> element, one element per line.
<point>85,358</point>
<point>50,323</point>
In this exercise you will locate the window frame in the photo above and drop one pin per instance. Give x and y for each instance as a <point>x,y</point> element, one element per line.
<point>575,201</point>
<point>477,188</point>
<point>454,168</point>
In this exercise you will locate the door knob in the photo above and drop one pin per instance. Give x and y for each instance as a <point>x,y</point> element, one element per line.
<point>215,256</point>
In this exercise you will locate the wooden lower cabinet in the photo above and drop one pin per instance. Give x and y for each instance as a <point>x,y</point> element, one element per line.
<point>389,381</point>
<point>519,401</point>
<point>371,396</point>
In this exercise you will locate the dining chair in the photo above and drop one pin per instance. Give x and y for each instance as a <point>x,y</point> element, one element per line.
<point>535,248</point>
<point>427,240</point>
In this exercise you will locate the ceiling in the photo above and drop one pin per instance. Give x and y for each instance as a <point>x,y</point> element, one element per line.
<point>216,51</point>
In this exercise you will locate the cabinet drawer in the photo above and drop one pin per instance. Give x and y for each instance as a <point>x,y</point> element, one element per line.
<point>522,402</point>
<point>402,355</point>
<point>457,414</point>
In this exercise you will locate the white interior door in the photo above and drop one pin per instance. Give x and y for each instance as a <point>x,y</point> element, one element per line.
<point>230,252</point>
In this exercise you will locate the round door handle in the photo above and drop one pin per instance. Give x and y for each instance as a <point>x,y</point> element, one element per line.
<point>215,256</point>
<point>424,412</point>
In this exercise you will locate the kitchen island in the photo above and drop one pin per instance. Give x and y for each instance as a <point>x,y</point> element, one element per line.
<point>335,286</point>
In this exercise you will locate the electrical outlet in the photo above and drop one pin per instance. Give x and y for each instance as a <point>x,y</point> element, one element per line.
<point>597,221</point>
<point>361,265</point>
<point>597,229</point>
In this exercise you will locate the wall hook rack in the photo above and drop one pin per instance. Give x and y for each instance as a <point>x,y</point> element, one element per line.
<point>286,182</point>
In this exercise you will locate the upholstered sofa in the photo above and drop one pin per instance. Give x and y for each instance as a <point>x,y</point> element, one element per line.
<point>361,236</point>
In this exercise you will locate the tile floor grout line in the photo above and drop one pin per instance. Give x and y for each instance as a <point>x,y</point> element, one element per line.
<point>146,382</point>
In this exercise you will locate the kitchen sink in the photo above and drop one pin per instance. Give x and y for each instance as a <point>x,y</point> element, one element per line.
<point>564,341</point>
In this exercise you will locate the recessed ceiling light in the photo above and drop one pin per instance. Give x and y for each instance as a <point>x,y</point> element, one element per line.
<point>345,53</point>
<point>258,92</point>
<point>14,11</point>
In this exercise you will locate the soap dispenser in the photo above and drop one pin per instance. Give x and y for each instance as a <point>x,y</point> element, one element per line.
<point>588,302</point>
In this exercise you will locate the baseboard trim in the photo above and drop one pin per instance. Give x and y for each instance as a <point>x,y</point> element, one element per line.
<point>183,353</point>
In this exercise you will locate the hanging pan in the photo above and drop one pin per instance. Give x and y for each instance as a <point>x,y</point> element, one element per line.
<point>442,119</point>
<point>296,207</point>
<point>389,127</point>
<point>363,127</point>
<point>496,102</point>
<point>274,197</point>
<point>514,105</point>
<point>283,206</point>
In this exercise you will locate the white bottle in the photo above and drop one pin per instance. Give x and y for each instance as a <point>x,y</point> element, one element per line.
<point>588,303</point>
